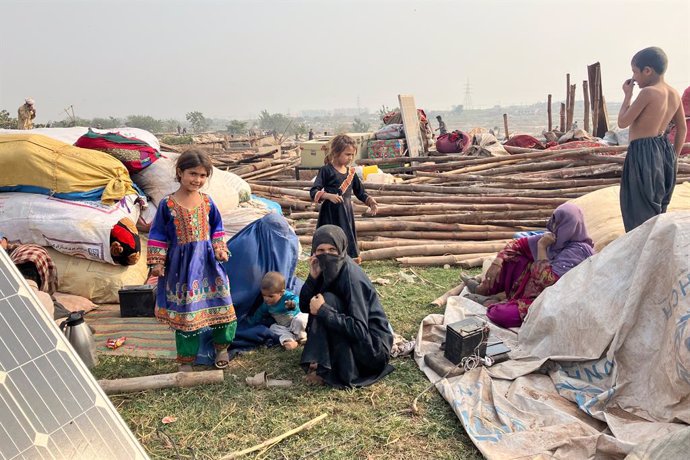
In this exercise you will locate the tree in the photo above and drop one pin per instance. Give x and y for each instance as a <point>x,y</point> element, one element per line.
<point>144,122</point>
<point>360,126</point>
<point>105,123</point>
<point>71,122</point>
<point>198,121</point>
<point>170,125</point>
<point>237,127</point>
<point>6,121</point>
<point>276,122</point>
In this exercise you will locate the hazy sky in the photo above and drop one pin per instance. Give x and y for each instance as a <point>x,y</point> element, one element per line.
<point>234,58</point>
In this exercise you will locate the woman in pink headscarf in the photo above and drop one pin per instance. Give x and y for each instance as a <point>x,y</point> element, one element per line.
<point>527,266</point>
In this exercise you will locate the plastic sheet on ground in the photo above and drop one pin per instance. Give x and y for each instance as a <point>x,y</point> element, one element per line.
<point>601,366</point>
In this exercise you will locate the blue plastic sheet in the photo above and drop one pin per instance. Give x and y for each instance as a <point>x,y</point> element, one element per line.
<point>268,244</point>
<point>272,205</point>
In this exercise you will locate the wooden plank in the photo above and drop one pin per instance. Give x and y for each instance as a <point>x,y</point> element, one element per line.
<point>408,111</point>
<point>600,118</point>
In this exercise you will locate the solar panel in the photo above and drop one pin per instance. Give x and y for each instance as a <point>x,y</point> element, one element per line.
<point>51,407</point>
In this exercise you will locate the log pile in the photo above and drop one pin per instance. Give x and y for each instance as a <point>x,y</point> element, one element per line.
<point>452,209</point>
<point>257,163</point>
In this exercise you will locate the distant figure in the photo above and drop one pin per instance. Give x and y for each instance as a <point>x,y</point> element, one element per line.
<point>184,130</point>
<point>26,114</point>
<point>574,126</point>
<point>649,171</point>
<point>179,130</point>
<point>441,126</point>
<point>311,134</point>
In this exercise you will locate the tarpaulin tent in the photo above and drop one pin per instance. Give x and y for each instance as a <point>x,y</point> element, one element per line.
<point>601,364</point>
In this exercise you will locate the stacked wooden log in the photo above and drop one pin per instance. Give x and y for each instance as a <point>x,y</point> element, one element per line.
<point>458,210</point>
<point>257,163</point>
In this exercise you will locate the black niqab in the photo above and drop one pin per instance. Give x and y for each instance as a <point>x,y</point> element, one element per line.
<point>330,264</point>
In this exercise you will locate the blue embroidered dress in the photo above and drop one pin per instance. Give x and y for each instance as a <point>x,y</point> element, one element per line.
<point>195,291</point>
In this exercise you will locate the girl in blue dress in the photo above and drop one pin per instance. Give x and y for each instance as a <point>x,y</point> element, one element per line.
<point>185,250</point>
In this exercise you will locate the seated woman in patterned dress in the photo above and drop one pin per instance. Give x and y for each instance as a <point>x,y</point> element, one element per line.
<point>527,266</point>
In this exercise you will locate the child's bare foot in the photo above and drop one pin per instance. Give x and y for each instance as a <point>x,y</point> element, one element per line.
<point>290,344</point>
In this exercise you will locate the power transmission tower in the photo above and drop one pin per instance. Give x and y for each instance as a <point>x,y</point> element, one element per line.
<point>468,96</point>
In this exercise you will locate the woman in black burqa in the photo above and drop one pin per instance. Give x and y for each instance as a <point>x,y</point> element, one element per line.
<point>349,338</point>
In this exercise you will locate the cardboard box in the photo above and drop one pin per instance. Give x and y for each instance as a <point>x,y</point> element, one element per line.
<point>391,148</point>
<point>313,152</point>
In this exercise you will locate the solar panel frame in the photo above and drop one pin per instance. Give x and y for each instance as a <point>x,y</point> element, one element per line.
<point>51,406</point>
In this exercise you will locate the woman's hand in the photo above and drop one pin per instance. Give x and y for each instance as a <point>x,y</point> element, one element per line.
<point>333,198</point>
<point>158,270</point>
<point>222,255</point>
<point>314,267</point>
<point>546,240</point>
<point>491,276</point>
<point>315,304</point>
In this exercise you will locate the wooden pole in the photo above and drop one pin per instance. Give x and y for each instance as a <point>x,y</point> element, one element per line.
<point>571,109</point>
<point>275,440</point>
<point>434,250</point>
<point>442,300</point>
<point>562,127</point>
<point>567,101</point>
<point>585,92</point>
<point>453,259</point>
<point>595,105</point>
<point>505,124</point>
<point>548,111</point>
<point>155,382</point>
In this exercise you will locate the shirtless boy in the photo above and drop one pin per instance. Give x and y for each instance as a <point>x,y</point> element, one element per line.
<point>649,172</point>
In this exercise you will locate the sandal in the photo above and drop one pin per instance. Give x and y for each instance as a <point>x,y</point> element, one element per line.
<point>222,359</point>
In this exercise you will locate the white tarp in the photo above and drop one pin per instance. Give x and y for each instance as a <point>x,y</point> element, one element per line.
<point>70,135</point>
<point>601,364</point>
<point>158,181</point>
<point>76,228</point>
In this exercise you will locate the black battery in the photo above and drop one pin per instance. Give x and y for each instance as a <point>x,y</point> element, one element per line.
<point>466,338</point>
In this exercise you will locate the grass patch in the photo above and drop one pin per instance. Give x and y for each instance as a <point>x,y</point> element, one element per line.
<point>214,420</point>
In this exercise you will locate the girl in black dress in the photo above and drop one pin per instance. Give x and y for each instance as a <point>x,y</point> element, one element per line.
<point>333,188</point>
